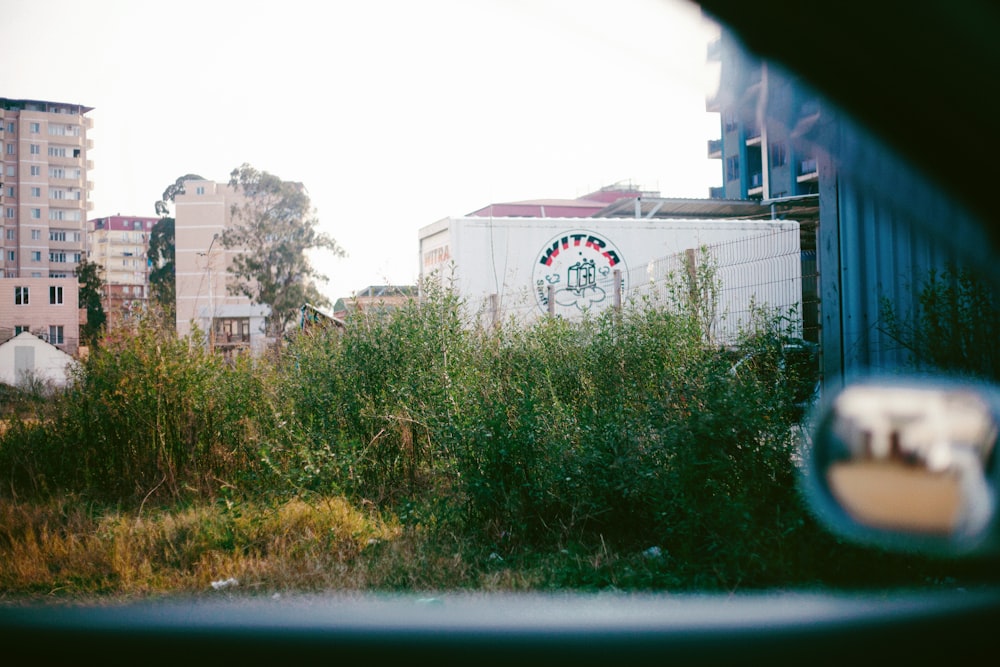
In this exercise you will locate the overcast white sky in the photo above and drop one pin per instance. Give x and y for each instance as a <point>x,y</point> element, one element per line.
<point>394,114</point>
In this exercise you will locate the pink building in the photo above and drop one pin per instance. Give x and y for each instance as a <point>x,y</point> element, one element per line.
<point>120,245</point>
<point>231,322</point>
<point>46,307</point>
<point>44,200</point>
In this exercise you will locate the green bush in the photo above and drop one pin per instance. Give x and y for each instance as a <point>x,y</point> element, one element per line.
<point>147,414</point>
<point>630,429</point>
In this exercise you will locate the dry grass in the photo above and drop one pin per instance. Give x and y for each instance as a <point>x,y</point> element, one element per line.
<point>65,548</point>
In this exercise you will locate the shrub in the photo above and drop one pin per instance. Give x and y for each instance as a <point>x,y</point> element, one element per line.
<point>147,414</point>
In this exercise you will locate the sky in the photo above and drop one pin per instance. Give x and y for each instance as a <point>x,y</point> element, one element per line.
<point>394,114</point>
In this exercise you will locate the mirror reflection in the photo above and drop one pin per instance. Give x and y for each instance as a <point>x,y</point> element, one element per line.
<point>913,459</point>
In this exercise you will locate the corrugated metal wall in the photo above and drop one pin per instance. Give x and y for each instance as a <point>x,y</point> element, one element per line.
<point>869,255</point>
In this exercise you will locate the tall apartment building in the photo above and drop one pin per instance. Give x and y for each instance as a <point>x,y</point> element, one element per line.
<point>802,158</point>
<point>44,202</point>
<point>762,158</point>
<point>231,323</point>
<point>120,245</point>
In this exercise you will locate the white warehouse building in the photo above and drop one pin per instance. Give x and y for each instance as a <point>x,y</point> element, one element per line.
<point>525,267</point>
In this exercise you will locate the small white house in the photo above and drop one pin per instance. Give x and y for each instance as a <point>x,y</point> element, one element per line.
<point>26,356</point>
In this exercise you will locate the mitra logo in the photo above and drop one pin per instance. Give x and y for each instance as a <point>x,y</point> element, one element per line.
<point>575,270</point>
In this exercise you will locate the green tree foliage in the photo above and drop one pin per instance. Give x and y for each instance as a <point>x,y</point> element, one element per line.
<point>162,274</point>
<point>273,227</point>
<point>162,250</point>
<point>90,278</point>
<point>146,415</point>
<point>171,192</point>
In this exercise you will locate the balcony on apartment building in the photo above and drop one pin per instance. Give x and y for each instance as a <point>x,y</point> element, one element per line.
<point>712,103</point>
<point>67,156</point>
<point>715,149</point>
<point>808,171</point>
<point>229,332</point>
<point>756,185</point>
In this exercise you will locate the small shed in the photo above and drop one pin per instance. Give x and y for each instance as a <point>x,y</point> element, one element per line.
<point>27,357</point>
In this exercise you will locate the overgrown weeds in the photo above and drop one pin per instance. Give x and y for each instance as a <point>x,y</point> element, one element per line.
<point>416,450</point>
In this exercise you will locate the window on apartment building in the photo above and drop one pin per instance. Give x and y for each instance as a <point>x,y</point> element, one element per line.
<point>55,295</point>
<point>20,329</point>
<point>35,128</point>
<point>10,149</point>
<point>57,172</point>
<point>779,154</point>
<point>36,235</point>
<point>36,213</point>
<point>11,170</point>
<point>10,191</point>
<point>200,190</point>
<point>11,127</point>
<point>733,168</point>
<point>36,191</point>
<point>730,121</point>
<point>57,151</point>
<point>57,194</point>
<point>36,255</point>
<point>56,334</point>
<point>11,213</point>
<point>76,257</point>
<point>10,234</point>
<point>35,149</point>
<point>58,257</point>
<point>36,170</point>
<point>21,295</point>
<point>56,275</point>
<point>11,255</point>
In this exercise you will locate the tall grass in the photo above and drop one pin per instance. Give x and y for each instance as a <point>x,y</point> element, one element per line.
<point>416,449</point>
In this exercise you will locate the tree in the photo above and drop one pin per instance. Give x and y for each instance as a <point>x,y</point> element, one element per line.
<point>273,227</point>
<point>163,288</point>
<point>174,189</point>
<point>89,275</point>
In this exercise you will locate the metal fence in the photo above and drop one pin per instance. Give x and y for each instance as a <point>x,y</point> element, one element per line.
<point>737,279</point>
<point>763,272</point>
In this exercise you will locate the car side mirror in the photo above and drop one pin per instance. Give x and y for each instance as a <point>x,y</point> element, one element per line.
<point>908,464</point>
